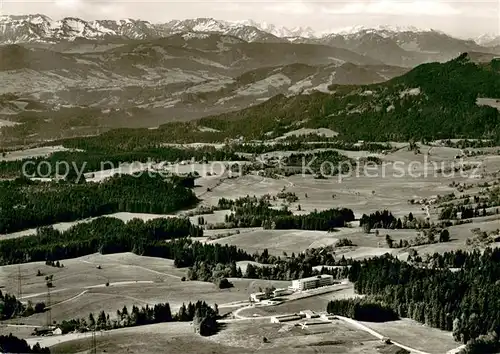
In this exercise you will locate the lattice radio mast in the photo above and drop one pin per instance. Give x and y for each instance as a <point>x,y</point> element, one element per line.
<point>49,309</point>
<point>19,284</point>
<point>19,306</point>
<point>93,347</point>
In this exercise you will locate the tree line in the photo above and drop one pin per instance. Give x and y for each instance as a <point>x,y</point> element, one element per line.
<point>274,267</point>
<point>362,310</point>
<point>204,318</point>
<point>385,220</point>
<point>111,235</point>
<point>258,212</point>
<point>325,220</point>
<point>12,344</point>
<point>105,235</point>
<point>94,157</point>
<point>11,307</point>
<point>465,302</point>
<point>323,163</point>
<point>301,143</point>
<point>27,204</point>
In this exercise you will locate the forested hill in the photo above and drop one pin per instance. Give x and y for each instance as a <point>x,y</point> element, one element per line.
<point>432,101</point>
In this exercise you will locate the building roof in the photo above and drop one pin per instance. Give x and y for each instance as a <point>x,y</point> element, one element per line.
<point>307,312</point>
<point>322,276</point>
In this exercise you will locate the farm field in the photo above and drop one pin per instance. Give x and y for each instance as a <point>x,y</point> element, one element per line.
<point>362,195</point>
<point>421,337</point>
<point>366,245</point>
<point>30,153</point>
<point>364,191</point>
<point>127,279</point>
<point>279,241</point>
<point>333,337</point>
<point>235,338</point>
<point>80,288</point>
<point>238,337</point>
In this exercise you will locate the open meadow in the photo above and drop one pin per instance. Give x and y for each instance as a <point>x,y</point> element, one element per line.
<point>123,279</point>
<point>421,337</point>
<point>96,282</point>
<point>237,337</point>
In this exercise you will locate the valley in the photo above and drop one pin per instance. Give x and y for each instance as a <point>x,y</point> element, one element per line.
<point>107,282</point>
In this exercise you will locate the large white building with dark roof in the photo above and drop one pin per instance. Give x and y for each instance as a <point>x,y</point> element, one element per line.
<point>312,282</point>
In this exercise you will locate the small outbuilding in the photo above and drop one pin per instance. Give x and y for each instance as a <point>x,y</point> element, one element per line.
<point>258,297</point>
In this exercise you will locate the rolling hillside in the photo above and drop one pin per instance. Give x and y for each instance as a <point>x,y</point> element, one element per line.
<point>431,101</point>
<point>149,83</point>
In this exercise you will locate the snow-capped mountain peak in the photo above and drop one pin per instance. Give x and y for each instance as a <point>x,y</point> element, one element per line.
<point>243,29</point>
<point>41,28</point>
<point>488,39</point>
<point>280,31</point>
<point>382,30</point>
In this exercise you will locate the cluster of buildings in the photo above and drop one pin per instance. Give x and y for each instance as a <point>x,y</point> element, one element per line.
<point>304,315</point>
<point>258,297</point>
<point>297,285</point>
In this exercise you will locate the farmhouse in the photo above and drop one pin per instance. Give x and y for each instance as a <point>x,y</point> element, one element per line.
<point>312,282</point>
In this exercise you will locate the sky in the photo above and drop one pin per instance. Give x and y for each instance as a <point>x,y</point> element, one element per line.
<point>460,18</point>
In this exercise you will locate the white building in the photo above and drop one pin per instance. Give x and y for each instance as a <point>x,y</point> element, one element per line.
<point>312,282</point>
<point>309,314</point>
<point>281,292</point>
<point>257,297</point>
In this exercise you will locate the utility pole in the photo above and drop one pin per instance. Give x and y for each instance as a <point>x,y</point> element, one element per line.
<point>93,345</point>
<point>49,309</point>
<point>19,284</point>
<point>19,306</point>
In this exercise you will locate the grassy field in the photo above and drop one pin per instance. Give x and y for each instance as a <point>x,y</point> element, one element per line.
<point>287,338</point>
<point>279,241</point>
<point>365,191</point>
<point>80,288</point>
<point>366,245</point>
<point>242,337</point>
<point>31,153</point>
<point>416,335</point>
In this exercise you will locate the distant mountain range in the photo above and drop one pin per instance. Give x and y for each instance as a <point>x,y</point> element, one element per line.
<point>145,83</point>
<point>80,76</point>
<point>41,28</point>
<point>400,46</point>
